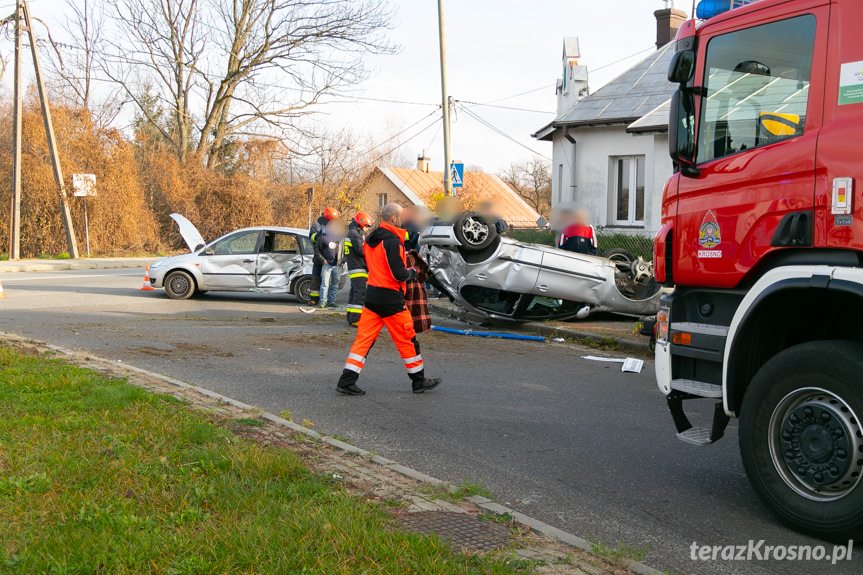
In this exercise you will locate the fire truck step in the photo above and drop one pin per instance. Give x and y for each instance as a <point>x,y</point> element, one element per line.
<point>698,388</point>
<point>696,436</point>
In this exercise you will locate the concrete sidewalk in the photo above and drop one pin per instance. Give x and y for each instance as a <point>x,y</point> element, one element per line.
<point>612,333</point>
<point>79,264</point>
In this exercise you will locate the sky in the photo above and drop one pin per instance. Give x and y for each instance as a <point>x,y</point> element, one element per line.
<point>496,49</point>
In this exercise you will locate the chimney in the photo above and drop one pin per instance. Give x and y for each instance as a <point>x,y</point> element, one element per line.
<point>423,162</point>
<point>572,87</point>
<point>667,23</point>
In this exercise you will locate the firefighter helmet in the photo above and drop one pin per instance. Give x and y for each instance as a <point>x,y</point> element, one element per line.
<point>363,219</point>
<point>331,213</point>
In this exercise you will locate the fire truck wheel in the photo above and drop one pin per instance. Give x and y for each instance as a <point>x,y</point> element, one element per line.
<point>801,437</point>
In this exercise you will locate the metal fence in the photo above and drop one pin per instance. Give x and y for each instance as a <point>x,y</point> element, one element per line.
<point>639,244</point>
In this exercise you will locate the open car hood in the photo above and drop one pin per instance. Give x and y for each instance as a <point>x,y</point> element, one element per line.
<point>189,232</point>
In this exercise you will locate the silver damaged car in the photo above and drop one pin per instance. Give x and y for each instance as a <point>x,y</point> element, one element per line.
<point>262,259</point>
<point>500,278</point>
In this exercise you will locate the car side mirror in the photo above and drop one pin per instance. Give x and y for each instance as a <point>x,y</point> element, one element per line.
<point>681,132</point>
<point>209,252</point>
<point>681,69</point>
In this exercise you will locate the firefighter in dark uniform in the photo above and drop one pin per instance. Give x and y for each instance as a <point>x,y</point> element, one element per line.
<point>385,307</point>
<point>358,272</point>
<point>317,227</point>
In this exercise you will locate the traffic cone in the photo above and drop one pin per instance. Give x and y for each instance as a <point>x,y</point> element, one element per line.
<point>2,293</point>
<point>146,286</point>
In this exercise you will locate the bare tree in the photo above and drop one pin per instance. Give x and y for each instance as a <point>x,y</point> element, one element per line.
<point>158,44</point>
<point>229,69</point>
<point>531,179</point>
<point>76,71</point>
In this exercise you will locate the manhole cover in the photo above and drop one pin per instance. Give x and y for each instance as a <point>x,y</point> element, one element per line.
<point>463,530</point>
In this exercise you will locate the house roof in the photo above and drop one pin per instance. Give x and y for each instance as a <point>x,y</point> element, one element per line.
<point>654,121</point>
<point>626,99</point>
<point>419,187</point>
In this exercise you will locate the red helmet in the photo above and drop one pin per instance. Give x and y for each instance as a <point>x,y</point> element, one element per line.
<point>331,213</point>
<point>363,219</point>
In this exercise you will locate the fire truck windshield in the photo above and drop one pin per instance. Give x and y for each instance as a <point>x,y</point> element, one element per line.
<point>756,87</point>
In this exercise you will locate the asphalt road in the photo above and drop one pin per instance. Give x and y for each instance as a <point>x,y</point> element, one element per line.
<point>572,442</point>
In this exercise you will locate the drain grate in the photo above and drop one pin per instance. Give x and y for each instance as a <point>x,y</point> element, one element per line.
<point>463,530</point>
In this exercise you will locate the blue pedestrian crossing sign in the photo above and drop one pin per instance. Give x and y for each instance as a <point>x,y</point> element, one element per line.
<point>457,175</point>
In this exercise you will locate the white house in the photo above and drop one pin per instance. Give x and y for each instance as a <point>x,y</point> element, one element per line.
<point>610,148</point>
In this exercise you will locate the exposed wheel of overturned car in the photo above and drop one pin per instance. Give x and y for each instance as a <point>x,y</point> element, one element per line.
<point>179,285</point>
<point>474,232</point>
<point>303,289</point>
<point>619,255</point>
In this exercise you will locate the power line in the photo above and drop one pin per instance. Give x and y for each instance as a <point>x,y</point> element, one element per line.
<point>550,85</point>
<point>505,107</point>
<point>405,142</point>
<point>397,135</point>
<point>519,94</point>
<point>624,58</point>
<point>500,132</point>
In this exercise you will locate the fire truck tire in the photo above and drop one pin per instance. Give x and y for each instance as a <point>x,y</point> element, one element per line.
<point>801,437</point>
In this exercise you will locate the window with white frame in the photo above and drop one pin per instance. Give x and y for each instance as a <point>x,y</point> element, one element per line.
<point>628,190</point>
<point>382,200</point>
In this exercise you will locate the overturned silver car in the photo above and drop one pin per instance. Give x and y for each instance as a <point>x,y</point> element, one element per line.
<point>500,278</point>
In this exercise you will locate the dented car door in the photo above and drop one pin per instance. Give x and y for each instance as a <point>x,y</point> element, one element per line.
<point>231,262</point>
<point>280,257</point>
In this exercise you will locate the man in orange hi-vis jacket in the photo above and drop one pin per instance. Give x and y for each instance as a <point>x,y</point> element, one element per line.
<point>385,306</point>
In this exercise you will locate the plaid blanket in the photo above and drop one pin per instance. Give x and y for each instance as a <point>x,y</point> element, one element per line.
<point>416,298</point>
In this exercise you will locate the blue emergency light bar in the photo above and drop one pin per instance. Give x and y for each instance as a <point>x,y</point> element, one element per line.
<point>710,8</point>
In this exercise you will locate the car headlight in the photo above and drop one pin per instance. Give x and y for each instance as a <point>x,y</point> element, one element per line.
<point>158,263</point>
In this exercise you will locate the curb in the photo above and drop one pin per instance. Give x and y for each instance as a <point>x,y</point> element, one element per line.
<point>482,502</point>
<point>551,331</point>
<point>624,343</point>
<point>79,264</point>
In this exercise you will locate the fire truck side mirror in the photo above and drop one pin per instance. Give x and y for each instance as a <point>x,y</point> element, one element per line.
<point>681,132</point>
<point>681,69</point>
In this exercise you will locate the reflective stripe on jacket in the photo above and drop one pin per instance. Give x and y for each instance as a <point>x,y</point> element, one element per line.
<point>355,252</point>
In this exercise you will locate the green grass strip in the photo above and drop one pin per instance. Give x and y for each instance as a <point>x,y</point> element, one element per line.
<point>99,476</point>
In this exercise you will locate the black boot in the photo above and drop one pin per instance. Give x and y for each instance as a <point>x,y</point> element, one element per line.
<point>421,383</point>
<point>348,383</point>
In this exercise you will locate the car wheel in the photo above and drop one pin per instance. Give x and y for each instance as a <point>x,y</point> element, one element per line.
<point>303,289</point>
<point>474,232</point>
<point>179,285</point>
<point>801,437</point>
<point>619,255</point>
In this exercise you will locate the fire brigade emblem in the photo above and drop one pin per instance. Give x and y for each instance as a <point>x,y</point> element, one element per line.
<point>709,236</point>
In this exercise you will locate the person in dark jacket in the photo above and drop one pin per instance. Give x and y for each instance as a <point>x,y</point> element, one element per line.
<point>330,254</point>
<point>327,216</point>
<point>385,306</point>
<point>357,269</point>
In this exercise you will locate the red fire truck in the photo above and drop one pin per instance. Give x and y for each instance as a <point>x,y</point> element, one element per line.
<point>762,239</point>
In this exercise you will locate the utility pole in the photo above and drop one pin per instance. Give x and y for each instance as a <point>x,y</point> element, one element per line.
<point>71,243</point>
<point>445,104</point>
<point>15,211</point>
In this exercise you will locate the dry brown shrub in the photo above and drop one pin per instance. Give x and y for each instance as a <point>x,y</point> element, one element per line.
<point>120,220</point>
<point>215,202</point>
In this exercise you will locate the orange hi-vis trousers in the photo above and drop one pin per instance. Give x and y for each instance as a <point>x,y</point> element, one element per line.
<point>401,328</point>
